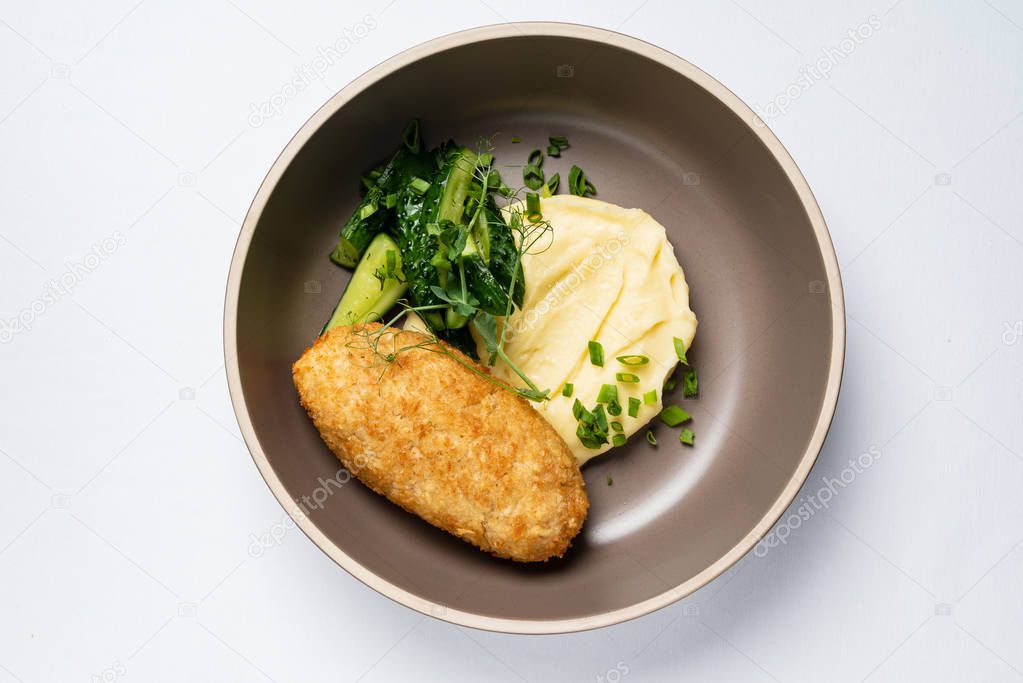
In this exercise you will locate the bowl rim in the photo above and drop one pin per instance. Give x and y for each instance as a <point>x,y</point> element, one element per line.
<point>684,68</point>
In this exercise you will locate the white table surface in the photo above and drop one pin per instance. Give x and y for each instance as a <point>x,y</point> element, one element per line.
<point>129,156</point>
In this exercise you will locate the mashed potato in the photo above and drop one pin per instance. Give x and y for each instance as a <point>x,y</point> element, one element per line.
<point>609,274</point>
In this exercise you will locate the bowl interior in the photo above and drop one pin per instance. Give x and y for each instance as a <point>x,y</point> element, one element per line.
<point>648,137</point>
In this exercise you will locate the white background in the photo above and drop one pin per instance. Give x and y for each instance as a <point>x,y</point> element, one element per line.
<point>129,501</point>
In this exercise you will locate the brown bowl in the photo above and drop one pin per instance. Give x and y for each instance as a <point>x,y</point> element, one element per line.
<point>651,131</point>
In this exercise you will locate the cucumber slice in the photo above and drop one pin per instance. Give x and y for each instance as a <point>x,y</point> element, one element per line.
<point>376,285</point>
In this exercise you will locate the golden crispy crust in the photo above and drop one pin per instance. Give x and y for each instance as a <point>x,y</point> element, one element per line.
<point>444,443</point>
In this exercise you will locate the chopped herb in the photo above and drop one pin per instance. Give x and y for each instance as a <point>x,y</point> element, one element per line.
<point>680,350</point>
<point>608,393</point>
<point>614,408</point>
<point>618,440</point>
<point>533,207</point>
<point>593,429</point>
<point>391,200</point>
<point>559,141</point>
<point>419,185</point>
<point>669,384</point>
<point>535,158</point>
<point>633,360</point>
<point>532,176</point>
<point>516,139</point>
<point>686,437</point>
<point>553,151</point>
<point>551,186</point>
<point>633,406</point>
<point>578,184</point>
<point>690,383</point>
<point>610,481</point>
<point>412,137</point>
<point>627,377</point>
<point>650,397</point>
<point>617,426</point>
<point>596,353</point>
<point>579,410</point>
<point>484,160</point>
<point>673,416</point>
<point>567,389</point>
<point>650,438</point>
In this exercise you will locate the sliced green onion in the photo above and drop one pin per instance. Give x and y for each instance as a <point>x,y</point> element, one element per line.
<point>551,186</point>
<point>419,186</point>
<point>600,419</point>
<point>650,397</point>
<point>650,438</point>
<point>614,408</point>
<point>633,406</point>
<point>579,410</point>
<point>535,158</point>
<point>533,207</point>
<point>559,141</point>
<point>669,385</point>
<point>680,350</point>
<point>608,393</point>
<point>618,440</point>
<point>610,481</point>
<point>596,353</point>
<point>617,426</point>
<point>532,176</point>
<point>626,377</point>
<point>411,137</point>
<point>516,139</point>
<point>686,437</point>
<point>391,200</point>
<point>578,184</point>
<point>567,389</point>
<point>673,416</point>
<point>690,383</point>
<point>553,151</point>
<point>634,359</point>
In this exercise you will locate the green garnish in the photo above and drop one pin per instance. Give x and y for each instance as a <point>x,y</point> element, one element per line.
<point>578,184</point>
<point>650,397</point>
<point>579,410</point>
<point>596,353</point>
<point>567,389</point>
<point>635,359</point>
<point>680,350</point>
<point>650,438</point>
<point>593,428</point>
<point>559,141</point>
<point>419,185</point>
<point>516,139</point>
<point>391,200</point>
<point>627,377</point>
<point>553,151</point>
<point>617,426</point>
<point>608,393</point>
<point>412,137</point>
<point>532,176</point>
<point>690,383</point>
<point>535,158</point>
<point>669,384</point>
<point>533,207</point>
<point>610,481</point>
<point>633,406</point>
<point>618,440</point>
<point>673,416</point>
<point>614,408</point>
<point>686,437</point>
<point>551,186</point>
